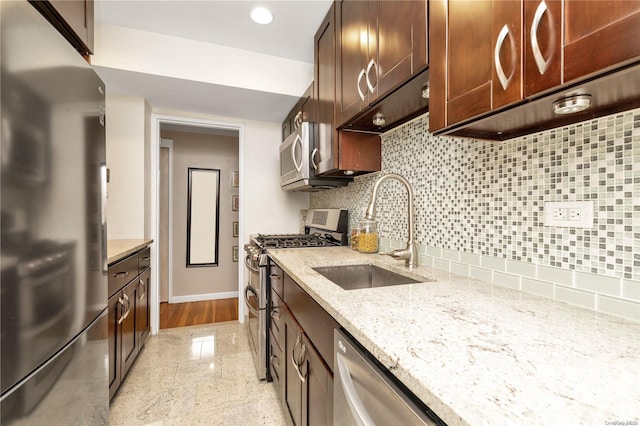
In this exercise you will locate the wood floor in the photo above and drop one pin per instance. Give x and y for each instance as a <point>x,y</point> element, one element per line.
<point>197,313</point>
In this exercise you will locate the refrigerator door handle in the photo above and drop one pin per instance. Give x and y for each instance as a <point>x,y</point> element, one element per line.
<point>103,216</point>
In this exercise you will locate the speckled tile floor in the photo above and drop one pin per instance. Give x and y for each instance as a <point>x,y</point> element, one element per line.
<point>198,375</point>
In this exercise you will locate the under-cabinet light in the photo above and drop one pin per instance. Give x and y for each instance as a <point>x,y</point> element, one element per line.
<point>572,104</point>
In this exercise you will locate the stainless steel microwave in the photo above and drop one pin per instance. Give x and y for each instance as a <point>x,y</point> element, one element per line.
<point>298,163</point>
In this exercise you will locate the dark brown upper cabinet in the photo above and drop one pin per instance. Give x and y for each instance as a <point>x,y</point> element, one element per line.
<point>600,35</point>
<point>381,45</point>
<point>73,18</point>
<point>497,66</point>
<point>301,112</point>
<point>340,154</point>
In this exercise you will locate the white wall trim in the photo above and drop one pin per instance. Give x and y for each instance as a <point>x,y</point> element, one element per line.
<point>168,143</point>
<point>204,296</point>
<point>156,120</point>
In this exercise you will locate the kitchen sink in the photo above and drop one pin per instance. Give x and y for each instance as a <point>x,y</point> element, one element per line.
<point>351,277</point>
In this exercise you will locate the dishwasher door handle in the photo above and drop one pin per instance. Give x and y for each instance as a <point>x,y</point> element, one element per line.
<point>360,414</point>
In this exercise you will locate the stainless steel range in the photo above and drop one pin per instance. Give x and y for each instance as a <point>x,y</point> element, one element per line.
<point>322,228</point>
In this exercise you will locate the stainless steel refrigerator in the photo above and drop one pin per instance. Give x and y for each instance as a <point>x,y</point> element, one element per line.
<point>54,348</point>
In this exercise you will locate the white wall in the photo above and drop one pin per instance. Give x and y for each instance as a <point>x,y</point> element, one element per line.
<point>267,209</point>
<point>142,51</point>
<point>127,136</point>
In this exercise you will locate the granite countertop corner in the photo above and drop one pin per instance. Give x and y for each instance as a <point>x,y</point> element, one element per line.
<point>118,249</point>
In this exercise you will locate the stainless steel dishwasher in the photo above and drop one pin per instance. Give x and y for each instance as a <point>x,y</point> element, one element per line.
<point>364,394</point>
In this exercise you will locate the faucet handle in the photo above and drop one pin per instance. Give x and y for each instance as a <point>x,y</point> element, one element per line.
<point>398,254</point>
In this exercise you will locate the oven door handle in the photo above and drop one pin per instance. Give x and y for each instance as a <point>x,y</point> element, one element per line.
<point>247,263</point>
<point>248,289</point>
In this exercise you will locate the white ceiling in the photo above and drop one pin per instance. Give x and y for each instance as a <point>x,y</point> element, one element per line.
<point>226,23</point>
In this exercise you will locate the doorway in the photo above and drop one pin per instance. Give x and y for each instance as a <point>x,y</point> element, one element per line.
<point>199,306</point>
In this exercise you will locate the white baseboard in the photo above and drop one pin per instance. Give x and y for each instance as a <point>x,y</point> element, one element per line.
<point>201,297</point>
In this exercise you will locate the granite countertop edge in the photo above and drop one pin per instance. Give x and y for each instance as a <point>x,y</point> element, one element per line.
<point>478,353</point>
<point>118,249</point>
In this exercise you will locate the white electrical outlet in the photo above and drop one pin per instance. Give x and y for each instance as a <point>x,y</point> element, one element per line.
<point>559,214</point>
<point>575,214</point>
<point>569,214</point>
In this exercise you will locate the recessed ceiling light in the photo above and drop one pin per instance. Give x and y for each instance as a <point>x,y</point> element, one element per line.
<point>572,104</point>
<point>261,15</point>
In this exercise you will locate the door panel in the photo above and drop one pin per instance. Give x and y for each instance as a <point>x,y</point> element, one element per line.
<point>469,61</point>
<point>354,41</point>
<point>599,35</point>
<point>543,45</point>
<point>293,385</point>
<point>507,53</point>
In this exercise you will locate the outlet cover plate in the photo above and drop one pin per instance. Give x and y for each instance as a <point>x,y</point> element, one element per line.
<point>569,214</point>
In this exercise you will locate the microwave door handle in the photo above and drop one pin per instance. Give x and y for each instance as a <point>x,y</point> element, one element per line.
<point>293,152</point>
<point>357,408</point>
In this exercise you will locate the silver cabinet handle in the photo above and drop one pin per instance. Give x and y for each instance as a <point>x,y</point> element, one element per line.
<point>356,406</point>
<point>293,359</point>
<point>122,304</point>
<point>504,81</point>
<point>274,361</point>
<point>297,121</point>
<point>535,46</point>
<point>314,154</point>
<point>126,314</point>
<point>293,152</point>
<point>103,216</point>
<point>369,85</point>
<point>146,258</point>
<point>301,358</point>
<point>293,353</point>
<point>248,289</point>
<point>275,313</point>
<point>120,274</point>
<point>276,366</point>
<point>360,75</point>
<point>144,293</point>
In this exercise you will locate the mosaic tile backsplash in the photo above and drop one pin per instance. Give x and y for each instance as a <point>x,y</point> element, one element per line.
<point>487,198</point>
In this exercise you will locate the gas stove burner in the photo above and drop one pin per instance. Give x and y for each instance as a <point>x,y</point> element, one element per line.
<point>293,241</point>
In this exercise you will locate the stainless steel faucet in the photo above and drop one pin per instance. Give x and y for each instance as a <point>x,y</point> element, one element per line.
<point>409,253</point>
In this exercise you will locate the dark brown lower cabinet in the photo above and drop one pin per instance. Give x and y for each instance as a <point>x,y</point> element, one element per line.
<point>123,342</point>
<point>308,390</point>
<point>317,392</point>
<point>129,315</point>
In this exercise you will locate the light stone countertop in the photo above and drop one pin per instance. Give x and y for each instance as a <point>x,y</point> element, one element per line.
<point>119,249</point>
<point>477,353</point>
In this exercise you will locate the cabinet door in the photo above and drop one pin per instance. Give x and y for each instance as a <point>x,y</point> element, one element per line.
<point>355,33</point>
<point>293,385</point>
<point>507,53</point>
<point>325,78</point>
<point>114,311</point>
<point>317,392</point>
<point>543,45</point>
<point>599,35</point>
<point>398,43</point>
<point>143,316</point>
<point>129,342</point>
<point>469,61</point>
